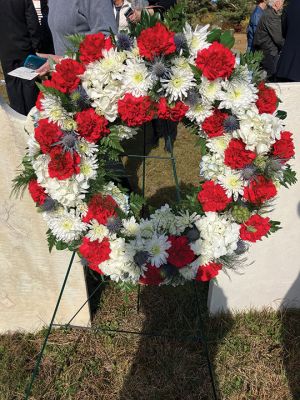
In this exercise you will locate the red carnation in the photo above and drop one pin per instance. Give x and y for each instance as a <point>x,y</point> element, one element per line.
<point>135,111</point>
<point>163,109</point>
<point>95,252</point>
<point>91,47</point>
<point>180,253</point>
<point>152,276</point>
<point>236,156</point>
<point>38,102</point>
<point>259,190</point>
<point>213,126</point>
<point>217,61</point>
<point>178,111</point>
<point>63,164</point>
<point>100,208</point>
<point>267,99</point>
<point>255,228</point>
<point>175,113</point>
<point>46,134</point>
<point>156,41</point>
<point>213,197</point>
<point>208,271</point>
<point>284,148</point>
<point>37,192</point>
<point>91,126</point>
<point>65,77</point>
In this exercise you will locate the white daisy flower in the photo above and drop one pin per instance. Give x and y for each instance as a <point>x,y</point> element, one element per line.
<point>181,80</point>
<point>146,228</point>
<point>53,110</point>
<point>125,132</point>
<point>136,78</point>
<point>185,220</point>
<point>65,226</point>
<point>89,167</point>
<point>157,247</point>
<point>237,96</point>
<point>210,90</point>
<point>199,112</point>
<point>33,145</point>
<point>97,231</point>
<point>163,220</point>
<point>232,182</point>
<point>196,39</point>
<point>190,272</point>
<point>130,227</point>
<point>86,148</point>
<point>218,144</point>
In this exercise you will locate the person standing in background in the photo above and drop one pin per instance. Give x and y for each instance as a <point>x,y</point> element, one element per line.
<point>268,37</point>
<point>47,41</point>
<point>289,61</point>
<point>20,36</point>
<point>120,9</point>
<point>254,20</point>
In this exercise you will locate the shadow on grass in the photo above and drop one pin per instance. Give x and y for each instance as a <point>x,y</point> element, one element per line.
<point>173,367</point>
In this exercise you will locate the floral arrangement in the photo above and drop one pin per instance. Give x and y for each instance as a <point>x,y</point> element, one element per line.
<point>101,96</point>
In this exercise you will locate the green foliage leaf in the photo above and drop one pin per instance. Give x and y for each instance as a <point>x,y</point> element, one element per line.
<point>175,17</point>
<point>281,114</point>
<point>289,177</point>
<point>137,203</point>
<point>275,226</point>
<point>21,181</point>
<point>202,143</point>
<point>65,101</point>
<point>227,39</point>
<point>214,35</point>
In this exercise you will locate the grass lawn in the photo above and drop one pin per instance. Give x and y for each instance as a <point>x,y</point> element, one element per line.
<point>255,355</point>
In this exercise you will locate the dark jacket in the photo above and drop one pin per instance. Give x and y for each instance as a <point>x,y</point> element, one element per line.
<point>268,38</point>
<point>289,62</point>
<point>44,7</point>
<point>19,29</point>
<point>163,5</point>
<point>254,20</point>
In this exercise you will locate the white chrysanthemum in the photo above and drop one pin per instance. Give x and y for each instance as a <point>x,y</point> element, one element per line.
<point>66,226</point>
<point>199,112</point>
<point>68,192</point>
<point>102,72</point>
<point>258,131</point>
<point>125,132</point>
<point>157,248</point>
<point>105,101</point>
<point>53,110</point>
<point>136,78</point>
<point>184,220</point>
<point>121,266</point>
<point>196,39</point>
<point>211,166</point>
<point>130,227</point>
<point>86,148</point>
<point>68,124</point>
<point>33,145</point>
<point>146,228</point>
<point>120,198</point>
<point>163,220</point>
<point>237,96</point>
<point>181,63</point>
<point>97,231</point>
<point>218,144</point>
<point>210,90</point>
<point>81,208</point>
<point>189,273</point>
<point>180,81</point>
<point>232,182</point>
<point>89,167</point>
<point>219,237</point>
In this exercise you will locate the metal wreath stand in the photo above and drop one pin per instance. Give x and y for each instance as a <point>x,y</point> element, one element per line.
<point>200,337</point>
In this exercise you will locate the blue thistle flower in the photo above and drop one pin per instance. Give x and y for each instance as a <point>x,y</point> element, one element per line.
<point>141,257</point>
<point>192,234</point>
<point>242,247</point>
<point>231,124</point>
<point>124,42</point>
<point>68,142</point>
<point>114,224</point>
<point>193,98</point>
<point>180,41</point>
<point>248,172</point>
<point>80,98</point>
<point>159,69</point>
<point>49,204</point>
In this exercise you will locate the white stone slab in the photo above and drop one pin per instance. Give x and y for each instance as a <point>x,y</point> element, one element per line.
<point>273,280</point>
<point>31,278</point>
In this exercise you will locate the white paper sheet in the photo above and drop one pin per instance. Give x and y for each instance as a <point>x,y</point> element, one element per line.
<point>24,73</point>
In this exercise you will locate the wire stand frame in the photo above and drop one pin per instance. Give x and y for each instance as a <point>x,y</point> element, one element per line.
<point>200,337</point>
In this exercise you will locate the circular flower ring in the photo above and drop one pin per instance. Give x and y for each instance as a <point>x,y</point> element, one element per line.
<point>88,107</point>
